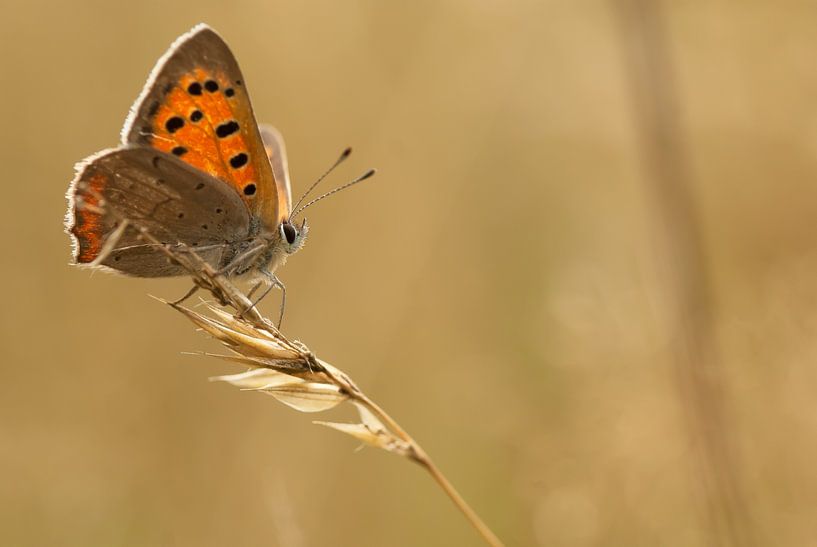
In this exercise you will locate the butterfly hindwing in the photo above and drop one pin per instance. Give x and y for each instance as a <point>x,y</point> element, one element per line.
<point>175,203</point>
<point>195,106</point>
<point>277,154</point>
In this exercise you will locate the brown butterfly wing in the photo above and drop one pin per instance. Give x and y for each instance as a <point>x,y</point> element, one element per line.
<point>195,106</point>
<point>173,201</point>
<point>277,154</point>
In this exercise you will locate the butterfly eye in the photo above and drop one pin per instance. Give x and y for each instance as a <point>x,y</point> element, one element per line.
<point>289,232</point>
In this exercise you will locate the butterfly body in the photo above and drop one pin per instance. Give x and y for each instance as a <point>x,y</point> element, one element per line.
<point>194,169</point>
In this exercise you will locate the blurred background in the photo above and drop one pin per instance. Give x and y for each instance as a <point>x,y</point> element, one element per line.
<point>585,279</point>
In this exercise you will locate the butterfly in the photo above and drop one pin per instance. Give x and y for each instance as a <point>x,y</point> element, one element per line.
<point>196,171</point>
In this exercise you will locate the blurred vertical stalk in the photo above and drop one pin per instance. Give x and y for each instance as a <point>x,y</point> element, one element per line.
<point>682,266</point>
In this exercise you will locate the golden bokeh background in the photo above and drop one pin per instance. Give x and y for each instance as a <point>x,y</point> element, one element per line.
<point>603,336</point>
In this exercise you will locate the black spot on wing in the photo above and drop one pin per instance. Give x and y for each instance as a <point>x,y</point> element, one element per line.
<point>174,124</point>
<point>226,129</point>
<point>239,160</point>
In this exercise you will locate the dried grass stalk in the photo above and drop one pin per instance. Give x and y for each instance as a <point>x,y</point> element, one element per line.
<point>293,375</point>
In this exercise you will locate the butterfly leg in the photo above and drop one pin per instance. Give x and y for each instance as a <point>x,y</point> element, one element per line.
<point>283,300</point>
<point>187,295</point>
<point>271,281</point>
<point>255,288</point>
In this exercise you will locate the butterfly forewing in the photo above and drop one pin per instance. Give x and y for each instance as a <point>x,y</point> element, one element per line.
<point>196,107</point>
<point>175,203</point>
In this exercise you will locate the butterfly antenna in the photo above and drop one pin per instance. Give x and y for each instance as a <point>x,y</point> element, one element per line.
<point>361,178</point>
<point>342,157</point>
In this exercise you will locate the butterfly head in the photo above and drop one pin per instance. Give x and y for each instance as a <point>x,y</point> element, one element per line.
<point>292,236</point>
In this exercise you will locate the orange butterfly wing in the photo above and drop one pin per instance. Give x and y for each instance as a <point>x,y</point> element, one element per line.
<point>195,106</point>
